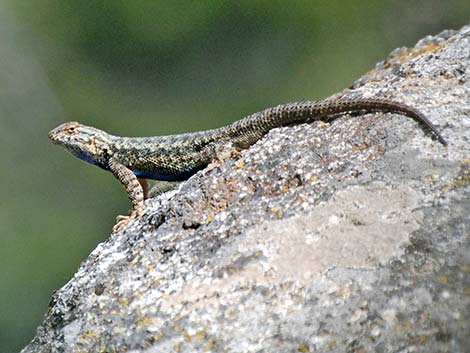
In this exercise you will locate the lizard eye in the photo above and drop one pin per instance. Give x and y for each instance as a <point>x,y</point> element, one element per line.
<point>71,129</point>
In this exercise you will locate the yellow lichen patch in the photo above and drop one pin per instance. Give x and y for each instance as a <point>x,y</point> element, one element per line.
<point>232,271</point>
<point>144,321</point>
<point>312,179</point>
<point>297,297</point>
<point>157,336</point>
<point>360,147</point>
<point>199,335</point>
<point>429,178</point>
<point>277,212</point>
<point>286,285</point>
<point>209,344</point>
<point>405,325</point>
<point>150,267</point>
<point>460,181</point>
<point>330,344</point>
<point>442,279</point>
<point>404,55</point>
<point>239,164</point>
<point>123,301</point>
<point>321,123</point>
<point>123,348</point>
<point>135,260</point>
<point>409,73</point>
<point>463,179</point>
<point>102,349</point>
<point>429,48</point>
<point>408,244</point>
<point>165,295</point>
<point>88,336</point>
<point>302,348</point>
<point>177,346</point>
<point>186,335</point>
<point>344,292</point>
<point>419,339</point>
<point>228,182</point>
<point>209,218</point>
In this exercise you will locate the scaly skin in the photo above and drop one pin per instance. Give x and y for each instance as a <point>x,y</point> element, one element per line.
<point>175,158</point>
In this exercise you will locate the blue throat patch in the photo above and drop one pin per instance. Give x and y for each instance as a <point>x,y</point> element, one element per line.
<point>85,157</point>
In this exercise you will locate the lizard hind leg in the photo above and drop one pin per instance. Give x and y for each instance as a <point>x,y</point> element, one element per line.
<point>162,186</point>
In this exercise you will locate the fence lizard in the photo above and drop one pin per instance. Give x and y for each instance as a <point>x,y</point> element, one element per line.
<point>174,158</point>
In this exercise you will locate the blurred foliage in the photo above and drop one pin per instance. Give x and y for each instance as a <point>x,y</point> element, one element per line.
<point>146,68</point>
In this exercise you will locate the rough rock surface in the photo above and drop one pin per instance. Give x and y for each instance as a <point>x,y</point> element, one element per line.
<point>346,236</point>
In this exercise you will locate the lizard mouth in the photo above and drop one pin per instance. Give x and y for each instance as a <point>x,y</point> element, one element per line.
<point>52,135</point>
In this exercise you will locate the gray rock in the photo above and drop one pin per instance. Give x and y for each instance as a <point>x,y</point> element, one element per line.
<point>350,236</point>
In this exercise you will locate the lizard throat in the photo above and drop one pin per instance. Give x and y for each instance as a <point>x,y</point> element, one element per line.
<point>84,157</point>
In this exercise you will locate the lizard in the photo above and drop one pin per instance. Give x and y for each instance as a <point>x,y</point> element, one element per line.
<point>175,158</point>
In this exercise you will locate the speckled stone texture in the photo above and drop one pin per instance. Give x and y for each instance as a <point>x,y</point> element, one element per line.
<point>347,236</point>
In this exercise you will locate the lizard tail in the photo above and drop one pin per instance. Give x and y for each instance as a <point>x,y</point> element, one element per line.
<point>355,105</point>
<point>248,130</point>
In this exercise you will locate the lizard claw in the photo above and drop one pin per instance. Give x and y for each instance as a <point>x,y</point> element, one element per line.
<point>122,221</point>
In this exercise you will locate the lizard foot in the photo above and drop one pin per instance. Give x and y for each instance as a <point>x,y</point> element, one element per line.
<point>122,221</point>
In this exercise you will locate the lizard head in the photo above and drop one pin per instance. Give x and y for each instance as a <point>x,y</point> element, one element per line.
<point>85,142</point>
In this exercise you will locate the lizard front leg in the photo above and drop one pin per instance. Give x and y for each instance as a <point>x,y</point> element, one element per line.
<point>134,190</point>
<point>145,187</point>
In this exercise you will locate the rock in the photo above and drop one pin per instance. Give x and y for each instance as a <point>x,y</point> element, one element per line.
<point>346,236</point>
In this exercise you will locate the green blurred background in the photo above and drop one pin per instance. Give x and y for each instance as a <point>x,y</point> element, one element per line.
<point>147,68</point>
